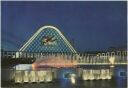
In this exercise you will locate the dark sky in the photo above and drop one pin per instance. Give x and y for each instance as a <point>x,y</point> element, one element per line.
<point>92,25</point>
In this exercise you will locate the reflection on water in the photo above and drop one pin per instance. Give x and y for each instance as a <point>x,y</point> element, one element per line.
<point>68,78</point>
<point>65,83</point>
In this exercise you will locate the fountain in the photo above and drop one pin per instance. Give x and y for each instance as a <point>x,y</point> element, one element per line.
<point>25,76</point>
<point>18,77</point>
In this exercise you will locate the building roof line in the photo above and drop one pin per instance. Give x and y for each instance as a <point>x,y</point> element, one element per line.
<point>40,30</point>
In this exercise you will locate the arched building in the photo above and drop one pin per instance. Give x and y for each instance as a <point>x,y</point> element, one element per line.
<point>48,39</point>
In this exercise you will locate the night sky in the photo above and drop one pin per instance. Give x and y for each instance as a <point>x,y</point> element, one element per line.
<point>91,25</point>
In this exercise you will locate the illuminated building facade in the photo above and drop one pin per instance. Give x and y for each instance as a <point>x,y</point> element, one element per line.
<point>48,39</point>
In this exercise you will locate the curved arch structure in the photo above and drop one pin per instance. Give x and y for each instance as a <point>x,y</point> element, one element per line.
<point>48,39</point>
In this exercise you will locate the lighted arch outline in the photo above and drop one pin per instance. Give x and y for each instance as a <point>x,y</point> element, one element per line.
<point>40,30</point>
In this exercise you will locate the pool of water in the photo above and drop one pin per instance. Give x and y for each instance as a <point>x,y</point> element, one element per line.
<point>66,83</point>
<point>65,80</point>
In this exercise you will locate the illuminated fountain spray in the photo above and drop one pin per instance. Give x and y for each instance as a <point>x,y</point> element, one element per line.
<point>41,76</point>
<point>48,76</point>
<point>18,77</point>
<point>112,61</point>
<point>38,71</point>
<point>91,74</point>
<point>26,76</point>
<point>32,76</point>
<point>103,74</point>
<point>53,61</point>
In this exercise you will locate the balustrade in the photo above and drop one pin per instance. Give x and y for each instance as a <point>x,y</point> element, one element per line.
<point>100,58</point>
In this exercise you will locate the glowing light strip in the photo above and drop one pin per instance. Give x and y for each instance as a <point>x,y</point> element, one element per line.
<point>41,29</point>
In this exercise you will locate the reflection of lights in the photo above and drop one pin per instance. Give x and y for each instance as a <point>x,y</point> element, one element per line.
<point>72,78</point>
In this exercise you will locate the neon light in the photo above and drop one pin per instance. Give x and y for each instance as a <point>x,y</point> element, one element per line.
<point>42,29</point>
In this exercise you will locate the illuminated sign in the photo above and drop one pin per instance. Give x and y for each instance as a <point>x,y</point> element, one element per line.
<point>48,40</point>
